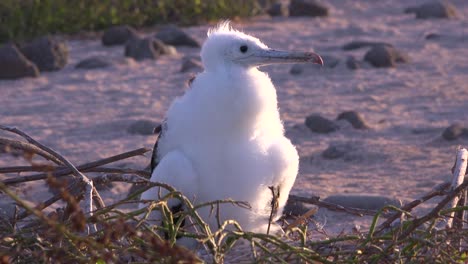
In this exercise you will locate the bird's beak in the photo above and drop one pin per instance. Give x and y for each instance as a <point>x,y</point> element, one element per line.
<point>270,56</point>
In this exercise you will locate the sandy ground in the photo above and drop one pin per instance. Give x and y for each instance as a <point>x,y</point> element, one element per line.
<point>84,115</point>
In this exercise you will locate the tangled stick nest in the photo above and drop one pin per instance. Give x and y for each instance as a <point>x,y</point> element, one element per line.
<point>86,229</point>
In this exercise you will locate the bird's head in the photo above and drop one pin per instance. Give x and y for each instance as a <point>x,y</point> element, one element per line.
<point>228,47</point>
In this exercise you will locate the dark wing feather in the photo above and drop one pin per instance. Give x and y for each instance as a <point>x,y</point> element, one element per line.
<point>155,160</point>
<point>154,157</point>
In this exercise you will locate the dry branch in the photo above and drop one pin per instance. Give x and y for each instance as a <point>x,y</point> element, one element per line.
<point>331,206</point>
<point>87,167</point>
<point>458,176</point>
<point>27,147</point>
<point>33,168</point>
<point>62,161</point>
<point>436,191</point>
<point>434,213</point>
<point>135,179</point>
<point>302,219</point>
<point>74,189</point>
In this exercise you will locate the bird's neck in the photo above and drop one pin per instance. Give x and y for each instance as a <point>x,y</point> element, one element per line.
<point>244,101</point>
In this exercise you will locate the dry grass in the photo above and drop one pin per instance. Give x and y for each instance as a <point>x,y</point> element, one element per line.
<point>22,19</point>
<point>111,235</point>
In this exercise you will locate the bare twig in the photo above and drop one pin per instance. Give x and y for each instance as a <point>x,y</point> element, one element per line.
<point>73,188</point>
<point>62,160</point>
<point>88,207</point>
<point>28,147</point>
<point>434,212</point>
<point>458,176</point>
<point>331,206</point>
<point>302,219</point>
<point>436,191</point>
<point>275,193</point>
<point>35,167</point>
<point>137,179</point>
<point>87,167</point>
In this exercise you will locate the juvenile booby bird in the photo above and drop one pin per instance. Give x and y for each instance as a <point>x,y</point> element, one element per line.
<point>224,137</point>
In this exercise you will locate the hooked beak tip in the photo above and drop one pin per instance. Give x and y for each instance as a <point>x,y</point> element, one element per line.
<point>315,58</point>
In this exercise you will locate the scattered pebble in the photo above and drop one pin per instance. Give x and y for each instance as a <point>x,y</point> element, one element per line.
<point>352,63</point>
<point>163,49</point>
<point>354,151</point>
<point>385,56</point>
<point>142,127</point>
<point>454,132</point>
<point>357,44</point>
<point>311,8</point>
<point>432,36</point>
<point>191,64</point>
<point>15,65</point>
<point>94,62</point>
<point>353,117</point>
<point>319,124</point>
<point>435,9</point>
<point>141,49</point>
<point>118,35</point>
<point>147,48</point>
<point>172,35</point>
<point>8,212</point>
<point>294,208</point>
<point>328,62</point>
<point>296,69</point>
<point>278,9</point>
<point>336,151</point>
<point>367,202</point>
<point>49,54</point>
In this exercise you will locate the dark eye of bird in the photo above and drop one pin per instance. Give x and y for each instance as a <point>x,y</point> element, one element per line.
<point>243,48</point>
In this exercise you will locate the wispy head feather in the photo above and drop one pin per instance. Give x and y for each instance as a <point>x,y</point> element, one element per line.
<point>224,26</point>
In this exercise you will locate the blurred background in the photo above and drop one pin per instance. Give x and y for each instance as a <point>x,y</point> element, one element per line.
<point>23,19</point>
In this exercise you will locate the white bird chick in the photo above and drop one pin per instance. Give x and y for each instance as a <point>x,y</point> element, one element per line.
<point>224,137</point>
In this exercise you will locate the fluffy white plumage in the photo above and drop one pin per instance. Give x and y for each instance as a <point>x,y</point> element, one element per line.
<point>224,138</point>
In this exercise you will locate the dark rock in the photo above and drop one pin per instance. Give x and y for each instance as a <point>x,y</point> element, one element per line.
<point>353,117</point>
<point>147,48</point>
<point>172,35</point>
<point>454,131</point>
<point>191,64</point>
<point>49,54</point>
<point>352,63</point>
<point>140,49</point>
<point>362,44</point>
<point>278,9</point>
<point>294,208</point>
<point>432,36</point>
<point>61,182</point>
<point>356,152</point>
<point>163,49</point>
<point>385,56</point>
<point>296,69</point>
<point>319,124</point>
<point>118,35</point>
<point>103,186</point>
<point>265,4</point>
<point>328,62</point>
<point>142,127</point>
<point>93,63</point>
<point>367,202</point>
<point>436,9</point>
<point>15,65</point>
<point>307,8</point>
<point>424,130</point>
<point>336,151</point>
<point>8,212</point>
